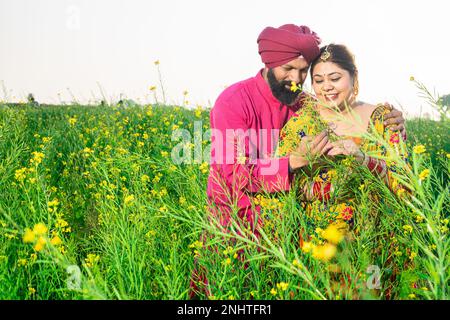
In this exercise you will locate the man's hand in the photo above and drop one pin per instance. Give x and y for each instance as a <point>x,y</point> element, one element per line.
<point>309,148</point>
<point>346,147</point>
<point>395,120</point>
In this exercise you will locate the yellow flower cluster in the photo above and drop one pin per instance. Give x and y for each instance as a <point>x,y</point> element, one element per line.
<point>268,203</point>
<point>38,236</point>
<point>419,149</point>
<point>198,111</point>
<point>333,235</point>
<point>20,174</point>
<point>196,246</point>
<point>128,199</point>
<point>407,228</point>
<point>91,260</point>
<point>72,121</point>
<point>63,225</point>
<point>37,157</point>
<point>295,87</point>
<point>46,139</point>
<point>444,228</point>
<point>204,167</point>
<point>283,286</point>
<point>52,205</point>
<point>424,174</point>
<point>87,152</point>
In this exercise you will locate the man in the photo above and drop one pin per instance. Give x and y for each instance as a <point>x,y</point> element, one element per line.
<point>248,116</point>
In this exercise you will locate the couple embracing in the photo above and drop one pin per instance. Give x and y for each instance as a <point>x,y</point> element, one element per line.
<point>328,125</point>
<point>302,133</point>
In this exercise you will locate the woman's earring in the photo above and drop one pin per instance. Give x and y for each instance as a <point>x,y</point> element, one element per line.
<point>356,85</point>
<point>355,88</point>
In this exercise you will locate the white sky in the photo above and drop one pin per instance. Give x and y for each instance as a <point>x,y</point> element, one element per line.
<point>48,46</point>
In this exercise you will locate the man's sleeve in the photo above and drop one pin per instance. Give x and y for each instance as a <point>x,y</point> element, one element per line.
<point>236,150</point>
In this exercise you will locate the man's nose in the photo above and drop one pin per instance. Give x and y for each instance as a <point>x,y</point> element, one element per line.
<point>295,76</point>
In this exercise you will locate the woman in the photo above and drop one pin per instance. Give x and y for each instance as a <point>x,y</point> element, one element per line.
<point>331,132</point>
<point>338,121</point>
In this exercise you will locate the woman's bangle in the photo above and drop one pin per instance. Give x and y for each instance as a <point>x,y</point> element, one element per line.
<point>361,157</point>
<point>365,161</point>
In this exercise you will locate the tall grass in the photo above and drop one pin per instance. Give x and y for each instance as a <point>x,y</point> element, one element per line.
<point>122,221</point>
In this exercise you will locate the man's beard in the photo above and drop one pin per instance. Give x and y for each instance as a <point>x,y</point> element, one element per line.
<point>285,95</point>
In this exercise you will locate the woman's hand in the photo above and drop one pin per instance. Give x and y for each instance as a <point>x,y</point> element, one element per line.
<point>308,149</point>
<point>395,120</point>
<point>346,147</point>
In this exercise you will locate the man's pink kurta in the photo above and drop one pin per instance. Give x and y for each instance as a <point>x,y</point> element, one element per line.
<point>245,121</point>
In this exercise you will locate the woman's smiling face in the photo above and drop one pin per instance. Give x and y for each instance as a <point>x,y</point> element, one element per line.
<point>332,84</point>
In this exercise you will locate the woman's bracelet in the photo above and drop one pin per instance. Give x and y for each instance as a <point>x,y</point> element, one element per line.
<point>365,160</point>
<point>375,166</point>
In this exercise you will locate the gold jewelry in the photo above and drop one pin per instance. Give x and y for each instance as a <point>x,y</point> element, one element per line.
<point>355,84</point>
<point>325,55</point>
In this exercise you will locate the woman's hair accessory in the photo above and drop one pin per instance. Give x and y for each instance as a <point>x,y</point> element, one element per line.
<point>325,54</point>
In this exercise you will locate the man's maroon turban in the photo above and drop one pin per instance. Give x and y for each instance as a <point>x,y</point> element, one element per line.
<point>278,46</point>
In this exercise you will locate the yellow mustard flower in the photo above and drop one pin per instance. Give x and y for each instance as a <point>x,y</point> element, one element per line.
<point>29,236</point>
<point>408,228</point>
<point>398,253</point>
<point>22,262</point>
<point>40,244</point>
<point>204,167</point>
<point>40,229</point>
<point>424,174</point>
<point>20,174</point>
<point>72,121</point>
<point>324,252</point>
<point>295,87</point>
<point>128,199</point>
<point>419,149</point>
<point>332,234</point>
<point>91,260</point>
<point>56,241</point>
<point>307,247</point>
<point>282,286</point>
<point>53,203</point>
<point>196,244</point>
<point>37,157</point>
<point>198,112</point>
<point>296,263</point>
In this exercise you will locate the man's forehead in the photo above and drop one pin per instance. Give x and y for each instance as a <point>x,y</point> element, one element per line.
<point>299,63</point>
